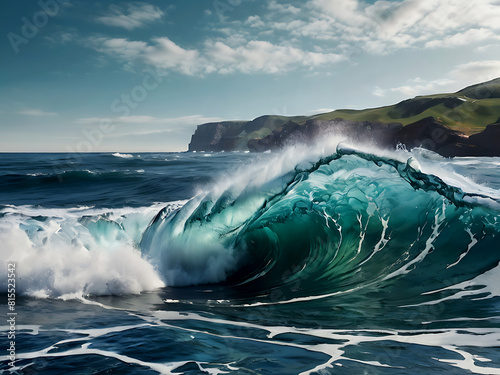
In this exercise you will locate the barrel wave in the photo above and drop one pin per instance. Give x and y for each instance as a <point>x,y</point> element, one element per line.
<point>311,225</point>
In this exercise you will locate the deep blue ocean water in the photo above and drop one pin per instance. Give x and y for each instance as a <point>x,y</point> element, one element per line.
<point>324,260</point>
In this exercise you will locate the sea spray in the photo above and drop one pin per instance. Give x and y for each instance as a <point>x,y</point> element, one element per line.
<point>79,252</point>
<point>321,217</point>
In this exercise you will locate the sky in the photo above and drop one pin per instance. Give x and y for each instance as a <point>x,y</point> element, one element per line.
<point>137,76</point>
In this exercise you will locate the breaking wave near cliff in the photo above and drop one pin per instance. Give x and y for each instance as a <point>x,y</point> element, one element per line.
<point>309,225</point>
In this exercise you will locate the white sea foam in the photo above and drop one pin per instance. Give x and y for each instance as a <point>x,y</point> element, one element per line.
<point>484,286</point>
<point>74,252</point>
<point>452,340</point>
<point>124,156</point>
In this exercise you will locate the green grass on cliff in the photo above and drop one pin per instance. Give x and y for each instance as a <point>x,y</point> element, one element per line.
<point>479,107</point>
<point>471,117</point>
<point>469,111</point>
<point>265,125</point>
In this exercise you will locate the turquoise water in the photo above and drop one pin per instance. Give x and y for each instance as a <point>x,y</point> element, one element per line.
<point>313,261</point>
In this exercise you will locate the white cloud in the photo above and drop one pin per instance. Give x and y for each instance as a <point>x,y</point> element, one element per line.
<point>165,54</point>
<point>134,16</point>
<point>481,49</point>
<point>471,36</point>
<point>319,34</point>
<point>380,92</point>
<point>460,76</point>
<point>283,8</point>
<point>317,29</point>
<point>347,11</point>
<point>117,47</point>
<point>384,26</point>
<point>418,86</point>
<point>36,112</point>
<point>477,71</point>
<point>262,56</point>
<point>162,53</point>
<point>254,21</point>
<point>222,56</point>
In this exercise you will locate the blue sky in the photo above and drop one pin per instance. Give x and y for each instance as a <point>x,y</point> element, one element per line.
<point>136,76</point>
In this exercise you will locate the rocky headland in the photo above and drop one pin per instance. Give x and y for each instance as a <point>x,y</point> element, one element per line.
<point>465,123</point>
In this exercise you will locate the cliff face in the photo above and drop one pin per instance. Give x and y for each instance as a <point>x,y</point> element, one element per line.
<point>362,131</point>
<point>234,135</point>
<point>449,124</point>
<point>216,136</point>
<point>486,143</point>
<point>428,133</point>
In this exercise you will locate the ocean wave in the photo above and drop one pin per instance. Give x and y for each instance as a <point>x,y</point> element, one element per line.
<point>77,251</point>
<point>308,223</point>
<point>315,223</point>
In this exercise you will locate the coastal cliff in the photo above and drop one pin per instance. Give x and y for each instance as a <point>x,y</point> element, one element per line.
<point>466,123</point>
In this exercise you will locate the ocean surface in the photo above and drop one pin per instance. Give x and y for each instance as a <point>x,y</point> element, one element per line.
<point>327,259</point>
